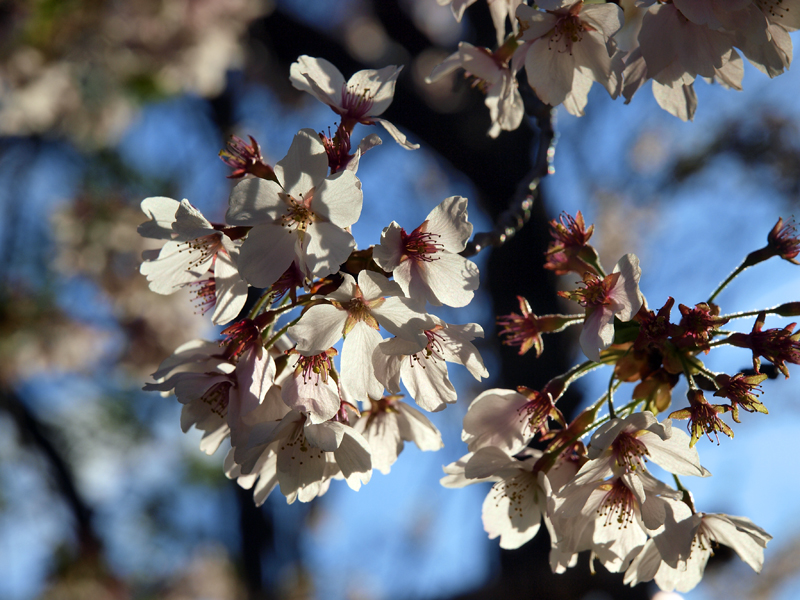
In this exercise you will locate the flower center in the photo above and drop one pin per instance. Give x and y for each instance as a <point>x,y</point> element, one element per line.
<point>356,102</point>
<point>217,397</point>
<point>315,367</point>
<point>568,30</point>
<point>298,215</point>
<point>617,505</point>
<point>629,451</point>
<point>420,245</point>
<point>206,247</point>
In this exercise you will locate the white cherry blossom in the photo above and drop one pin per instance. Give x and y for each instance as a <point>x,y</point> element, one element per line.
<point>566,47</point>
<point>424,372</point>
<point>311,388</point>
<point>388,423</point>
<point>616,295</point>
<point>357,311</point>
<point>426,262</point>
<point>307,456</point>
<point>361,99</point>
<point>303,217</point>
<point>677,556</point>
<point>623,445</point>
<point>197,254</point>
<point>496,80</point>
<point>507,419</point>
<point>611,517</point>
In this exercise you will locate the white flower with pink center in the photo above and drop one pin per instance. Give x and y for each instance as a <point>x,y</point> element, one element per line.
<point>357,311</point>
<point>302,217</point>
<point>616,295</point>
<point>677,556</point>
<point>424,372</point>
<point>624,445</point>
<point>303,457</point>
<point>361,99</point>
<point>197,255</point>
<point>507,419</point>
<point>425,263</point>
<point>388,423</point>
<point>494,78</point>
<point>566,47</point>
<point>312,389</point>
<point>611,517</point>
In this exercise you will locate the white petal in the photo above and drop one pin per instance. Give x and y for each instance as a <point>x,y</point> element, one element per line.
<point>357,374</point>
<point>550,71</point>
<point>161,212</point>
<point>329,81</point>
<point>325,436</point>
<point>389,252</point>
<point>318,329</point>
<point>376,85</point>
<point>190,223</point>
<point>399,317</point>
<point>597,333</point>
<point>177,264</point>
<point>415,427</point>
<point>452,279</point>
<point>427,382</point>
<point>625,294</point>
<point>374,285</point>
<point>494,419</point>
<point>304,166</point>
<point>393,131</point>
<point>255,201</point>
<point>231,290</point>
<point>326,246</point>
<point>266,254</point>
<point>354,459</point>
<point>338,199</point>
<point>511,511</point>
<point>449,221</point>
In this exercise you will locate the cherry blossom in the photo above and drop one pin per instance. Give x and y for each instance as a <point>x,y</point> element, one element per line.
<point>307,456</point>
<point>566,48</point>
<point>494,78</point>
<point>616,295</point>
<point>356,311</point>
<point>425,263</point>
<point>197,254</point>
<point>300,217</point>
<point>311,388</point>
<point>361,99</point>
<point>611,517</point>
<point>388,423</point>
<point>676,558</point>
<point>624,445</point>
<point>424,372</point>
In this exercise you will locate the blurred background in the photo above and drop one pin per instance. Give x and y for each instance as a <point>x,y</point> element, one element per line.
<point>103,103</point>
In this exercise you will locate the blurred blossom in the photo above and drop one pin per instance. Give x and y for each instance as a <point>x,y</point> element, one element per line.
<point>82,69</point>
<point>97,239</point>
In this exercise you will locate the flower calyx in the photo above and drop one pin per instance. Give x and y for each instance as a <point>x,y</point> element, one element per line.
<point>703,417</point>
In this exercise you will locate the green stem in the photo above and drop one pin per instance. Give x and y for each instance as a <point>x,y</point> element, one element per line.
<point>265,298</point>
<point>610,394</point>
<point>281,331</point>
<point>746,263</point>
<point>751,313</point>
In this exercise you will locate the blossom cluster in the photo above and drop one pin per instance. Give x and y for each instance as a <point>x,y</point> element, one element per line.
<point>566,46</point>
<point>299,407</point>
<point>321,338</point>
